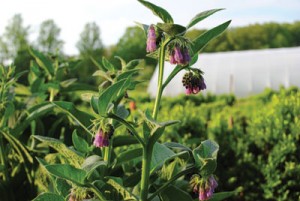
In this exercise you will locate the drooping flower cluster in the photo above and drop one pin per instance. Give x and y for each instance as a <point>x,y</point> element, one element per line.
<point>180,56</point>
<point>205,187</point>
<point>103,135</point>
<point>193,82</point>
<point>151,39</point>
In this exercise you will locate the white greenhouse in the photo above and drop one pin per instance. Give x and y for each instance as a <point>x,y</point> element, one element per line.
<point>240,72</point>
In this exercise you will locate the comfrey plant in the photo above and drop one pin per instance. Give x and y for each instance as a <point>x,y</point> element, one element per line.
<point>118,155</point>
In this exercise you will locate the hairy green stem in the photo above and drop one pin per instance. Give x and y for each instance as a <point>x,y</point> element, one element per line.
<point>147,154</point>
<point>163,187</point>
<point>160,77</point>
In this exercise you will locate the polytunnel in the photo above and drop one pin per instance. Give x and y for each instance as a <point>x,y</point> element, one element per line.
<point>242,73</point>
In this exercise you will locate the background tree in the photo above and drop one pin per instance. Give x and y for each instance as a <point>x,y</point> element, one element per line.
<point>15,42</point>
<point>48,39</point>
<point>90,46</point>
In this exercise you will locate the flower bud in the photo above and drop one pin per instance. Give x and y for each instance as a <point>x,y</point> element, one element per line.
<point>151,39</point>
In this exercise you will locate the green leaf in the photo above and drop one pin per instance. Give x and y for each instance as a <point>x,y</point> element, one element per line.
<point>109,66</point>
<point>121,140</point>
<point>97,64</point>
<point>201,16</point>
<point>97,171</point>
<point>172,29</point>
<point>79,143</point>
<point>82,118</point>
<point>129,155</point>
<point>173,193</point>
<point>160,154</point>
<point>200,42</point>
<point>62,187</point>
<point>49,197</point>
<point>94,103</point>
<point>61,148</point>
<point>34,112</point>
<point>108,95</point>
<point>208,149</point>
<point>67,83</point>
<point>206,156</point>
<point>68,172</point>
<point>132,64</point>
<point>122,111</point>
<point>42,61</point>
<point>102,74</point>
<point>176,145</point>
<point>123,62</point>
<point>158,11</point>
<point>128,73</point>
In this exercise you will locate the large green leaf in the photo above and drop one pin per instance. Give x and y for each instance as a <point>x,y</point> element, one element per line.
<point>109,95</point>
<point>173,193</point>
<point>172,29</point>
<point>160,154</point>
<point>158,11</point>
<point>128,73</point>
<point>201,16</point>
<point>82,118</point>
<point>61,148</point>
<point>42,61</point>
<point>206,157</point>
<point>109,66</point>
<point>62,187</point>
<point>49,197</point>
<point>102,74</point>
<point>200,42</point>
<point>132,64</point>
<point>34,112</point>
<point>68,172</point>
<point>79,143</point>
<point>121,140</point>
<point>129,155</point>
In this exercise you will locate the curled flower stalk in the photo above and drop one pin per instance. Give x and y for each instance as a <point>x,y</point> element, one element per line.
<point>102,136</point>
<point>193,82</point>
<point>205,187</point>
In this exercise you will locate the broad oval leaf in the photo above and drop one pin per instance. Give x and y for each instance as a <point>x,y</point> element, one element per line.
<point>129,155</point>
<point>61,148</point>
<point>68,172</point>
<point>201,16</point>
<point>158,11</point>
<point>109,94</point>
<point>79,143</point>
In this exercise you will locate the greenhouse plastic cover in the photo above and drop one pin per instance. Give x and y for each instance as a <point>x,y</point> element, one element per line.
<point>242,73</point>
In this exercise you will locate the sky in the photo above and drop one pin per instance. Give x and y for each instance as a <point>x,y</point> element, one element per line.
<point>113,16</point>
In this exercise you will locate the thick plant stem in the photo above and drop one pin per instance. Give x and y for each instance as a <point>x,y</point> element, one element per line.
<point>147,155</point>
<point>160,77</point>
